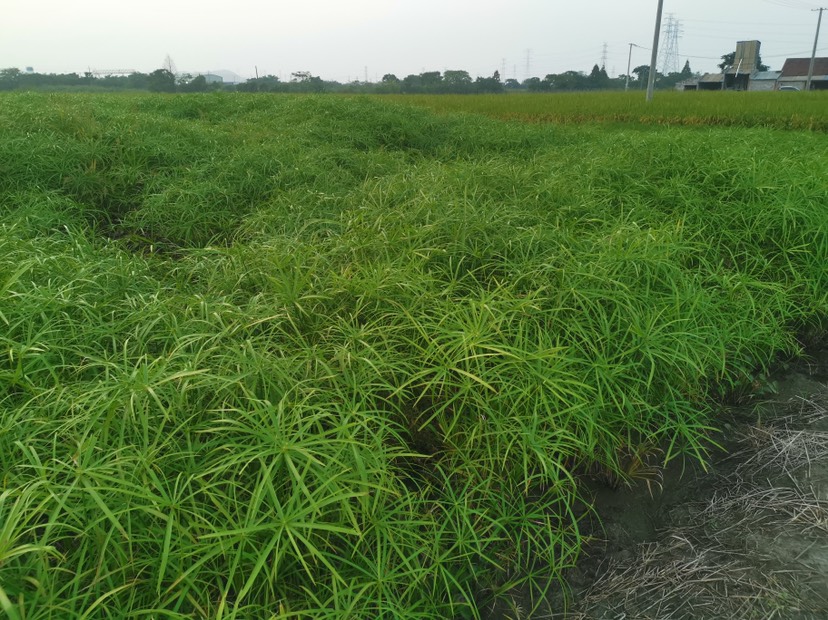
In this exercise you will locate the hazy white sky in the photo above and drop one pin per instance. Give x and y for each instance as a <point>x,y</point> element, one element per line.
<point>349,39</point>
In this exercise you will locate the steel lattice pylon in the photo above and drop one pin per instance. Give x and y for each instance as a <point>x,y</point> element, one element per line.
<point>669,52</point>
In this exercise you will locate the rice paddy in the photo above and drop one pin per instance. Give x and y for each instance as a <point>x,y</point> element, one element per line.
<point>320,357</point>
<point>804,111</point>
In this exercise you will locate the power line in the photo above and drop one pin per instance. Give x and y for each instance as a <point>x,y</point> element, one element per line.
<point>720,22</point>
<point>797,54</point>
<point>792,4</point>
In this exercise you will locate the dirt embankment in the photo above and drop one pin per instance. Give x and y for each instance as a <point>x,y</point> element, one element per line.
<point>746,539</point>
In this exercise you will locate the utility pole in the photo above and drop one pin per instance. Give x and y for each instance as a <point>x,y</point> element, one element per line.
<point>629,62</point>
<point>813,53</point>
<point>654,57</point>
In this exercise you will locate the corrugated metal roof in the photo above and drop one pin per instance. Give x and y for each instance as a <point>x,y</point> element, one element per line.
<point>711,77</point>
<point>801,79</point>
<point>766,75</point>
<point>799,67</point>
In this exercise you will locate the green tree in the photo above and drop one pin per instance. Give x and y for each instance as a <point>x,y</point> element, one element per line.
<point>196,85</point>
<point>412,84</point>
<point>535,85</point>
<point>642,73</point>
<point>161,81</point>
<point>264,84</point>
<point>306,82</point>
<point>455,81</point>
<point>598,77</point>
<point>137,81</point>
<point>427,82</point>
<point>9,78</point>
<point>569,80</point>
<point>389,84</point>
<point>489,85</point>
<point>727,61</point>
<point>432,81</point>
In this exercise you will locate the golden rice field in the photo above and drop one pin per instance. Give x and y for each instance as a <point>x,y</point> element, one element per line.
<point>780,110</point>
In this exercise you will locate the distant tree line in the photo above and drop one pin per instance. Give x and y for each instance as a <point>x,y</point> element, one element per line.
<point>160,80</point>
<point>598,79</point>
<point>431,82</point>
<point>428,82</point>
<point>458,82</point>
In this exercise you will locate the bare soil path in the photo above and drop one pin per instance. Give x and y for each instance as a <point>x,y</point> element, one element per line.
<point>746,539</point>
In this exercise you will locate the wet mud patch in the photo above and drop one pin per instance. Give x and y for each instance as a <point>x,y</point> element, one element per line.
<point>748,538</point>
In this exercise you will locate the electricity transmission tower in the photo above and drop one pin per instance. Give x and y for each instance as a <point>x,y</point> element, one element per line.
<point>669,47</point>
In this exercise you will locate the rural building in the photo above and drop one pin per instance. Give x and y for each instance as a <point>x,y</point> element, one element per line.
<point>763,80</point>
<point>739,75</point>
<point>795,73</point>
<point>688,84</point>
<point>711,81</point>
<point>212,78</point>
<point>745,63</point>
<point>744,73</point>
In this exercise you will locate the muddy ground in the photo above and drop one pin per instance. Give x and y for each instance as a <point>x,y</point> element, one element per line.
<point>746,539</point>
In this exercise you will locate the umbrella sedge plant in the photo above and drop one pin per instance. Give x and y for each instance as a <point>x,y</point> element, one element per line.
<point>321,357</point>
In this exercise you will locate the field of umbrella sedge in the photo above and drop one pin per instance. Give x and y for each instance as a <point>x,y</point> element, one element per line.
<point>321,357</point>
